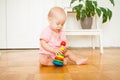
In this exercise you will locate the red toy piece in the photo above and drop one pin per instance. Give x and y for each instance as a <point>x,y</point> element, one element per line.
<point>63,43</point>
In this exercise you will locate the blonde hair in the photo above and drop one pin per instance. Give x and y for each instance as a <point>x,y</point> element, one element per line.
<point>54,10</point>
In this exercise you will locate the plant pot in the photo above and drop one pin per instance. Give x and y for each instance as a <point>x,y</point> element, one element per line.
<point>86,23</point>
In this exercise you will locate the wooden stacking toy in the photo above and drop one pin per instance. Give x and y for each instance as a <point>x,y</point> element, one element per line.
<point>59,58</point>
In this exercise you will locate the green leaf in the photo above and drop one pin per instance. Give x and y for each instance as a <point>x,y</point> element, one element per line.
<point>103,10</point>
<point>80,0</point>
<point>109,14</point>
<point>98,11</point>
<point>87,12</point>
<point>104,14</point>
<point>95,3</point>
<point>90,6</point>
<point>77,8</point>
<point>112,1</point>
<point>88,3</point>
<point>72,1</point>
<point>83,14</point>
<point>104,18</point>
<point>78,16</point>
<point>93,13</point>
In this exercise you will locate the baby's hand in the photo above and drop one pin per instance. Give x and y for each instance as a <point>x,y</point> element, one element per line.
<point>65,50</point>
<point>57,51</point>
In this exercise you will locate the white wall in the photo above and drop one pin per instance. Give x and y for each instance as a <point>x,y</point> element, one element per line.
<point>111,30</point>
<point>2,24</point>
<point>21,22</point>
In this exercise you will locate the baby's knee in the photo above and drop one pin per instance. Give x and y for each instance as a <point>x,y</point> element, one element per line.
<point>43,62</point>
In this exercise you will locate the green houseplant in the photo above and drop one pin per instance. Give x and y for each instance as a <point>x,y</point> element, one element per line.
<point>89,8</point>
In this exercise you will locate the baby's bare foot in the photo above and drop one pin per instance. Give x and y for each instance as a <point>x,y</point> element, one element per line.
<point>82,61</point>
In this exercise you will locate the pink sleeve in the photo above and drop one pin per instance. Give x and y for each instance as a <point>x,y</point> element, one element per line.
<point>45,35</point>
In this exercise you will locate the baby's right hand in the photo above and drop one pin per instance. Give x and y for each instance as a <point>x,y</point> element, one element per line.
<point>57,51</point>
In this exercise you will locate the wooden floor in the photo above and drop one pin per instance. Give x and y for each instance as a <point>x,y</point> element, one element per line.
<point>24,65</point>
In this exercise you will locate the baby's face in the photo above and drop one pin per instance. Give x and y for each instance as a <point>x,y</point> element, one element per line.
<point>57,22</point>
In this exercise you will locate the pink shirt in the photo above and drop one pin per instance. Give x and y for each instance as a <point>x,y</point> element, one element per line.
<point>51,40</point>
